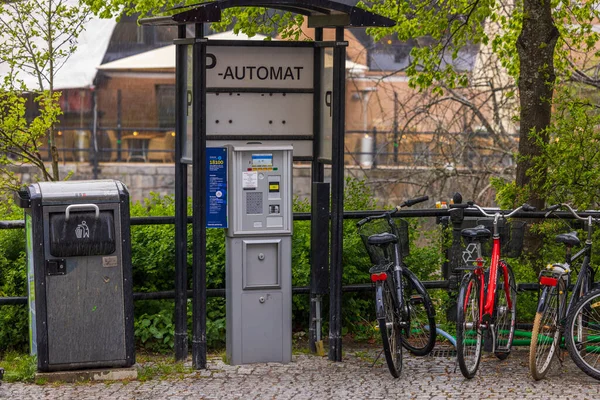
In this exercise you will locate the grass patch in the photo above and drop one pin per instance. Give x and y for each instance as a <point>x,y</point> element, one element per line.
<point>160,367</point>
<point>19,367</point>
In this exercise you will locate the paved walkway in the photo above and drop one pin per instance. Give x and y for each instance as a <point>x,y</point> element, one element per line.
<point>312,377</point>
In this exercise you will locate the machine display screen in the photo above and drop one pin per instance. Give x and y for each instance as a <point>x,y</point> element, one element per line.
<point>262,160</point>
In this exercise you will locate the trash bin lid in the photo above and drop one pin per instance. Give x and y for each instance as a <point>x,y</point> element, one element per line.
<point>105,190</point>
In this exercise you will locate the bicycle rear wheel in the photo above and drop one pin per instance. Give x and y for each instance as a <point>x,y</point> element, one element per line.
<point>582,334</point>
<point>468,326</point>
<point>546,334</point>
<point>418,336</point>
<point>389,326</point>
<point>505,310</point>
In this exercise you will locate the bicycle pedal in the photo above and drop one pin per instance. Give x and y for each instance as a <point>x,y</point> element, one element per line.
<point>416,299</point>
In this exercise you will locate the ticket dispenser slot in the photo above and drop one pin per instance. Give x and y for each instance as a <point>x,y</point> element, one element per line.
<point>258,246</point>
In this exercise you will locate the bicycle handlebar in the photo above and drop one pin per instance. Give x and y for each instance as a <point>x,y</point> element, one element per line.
<point>412,202</point>
<point>471,204</point>
<point>387,214</point>
<point>555,207</point>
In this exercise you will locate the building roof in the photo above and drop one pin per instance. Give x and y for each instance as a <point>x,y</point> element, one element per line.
<point>163,58</point>
<point>79,70</point>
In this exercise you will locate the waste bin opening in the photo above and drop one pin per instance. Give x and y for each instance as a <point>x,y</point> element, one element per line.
<point>82,234</point>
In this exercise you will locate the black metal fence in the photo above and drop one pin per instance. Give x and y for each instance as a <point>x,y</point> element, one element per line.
<point>372,149</point>
<point>452,219</point>
<point>412,149</point>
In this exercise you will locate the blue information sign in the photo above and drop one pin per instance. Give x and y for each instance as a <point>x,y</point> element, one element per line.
<point>216,186</point>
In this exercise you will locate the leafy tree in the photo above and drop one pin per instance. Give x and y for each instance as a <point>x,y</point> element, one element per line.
<point>36,39</point>
<point>547,37</point>
<point>538,44</point>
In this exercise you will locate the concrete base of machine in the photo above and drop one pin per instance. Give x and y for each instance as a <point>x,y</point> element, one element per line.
<point>108,374</point>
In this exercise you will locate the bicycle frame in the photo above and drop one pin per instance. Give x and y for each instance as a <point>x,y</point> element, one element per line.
<point>488,290</point>
<point>487,295</point>
<point>396,274</point>
<point>582,284</point>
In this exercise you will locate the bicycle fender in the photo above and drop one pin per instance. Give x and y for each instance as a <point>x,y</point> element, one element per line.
<point>379,306</point>
<point>542,301</point>
<point>419,285</point>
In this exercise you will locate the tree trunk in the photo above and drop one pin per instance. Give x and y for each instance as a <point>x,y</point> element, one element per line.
<point>535,46</point>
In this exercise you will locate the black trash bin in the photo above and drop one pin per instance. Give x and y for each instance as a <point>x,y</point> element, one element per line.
<point>79,274</point>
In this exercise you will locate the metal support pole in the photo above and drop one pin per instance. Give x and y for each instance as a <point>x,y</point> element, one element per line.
<point>319,266</point>
<point>337,196</point>
<point>317,246</point>
<point>199,201</point>
<point>396,144</point>
<point>181,170</point>
<point>317,167</point>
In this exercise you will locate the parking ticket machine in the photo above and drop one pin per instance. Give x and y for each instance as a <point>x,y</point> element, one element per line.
<point>259,248</point>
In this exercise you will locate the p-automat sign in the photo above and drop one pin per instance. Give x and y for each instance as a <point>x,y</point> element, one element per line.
<point>262,73</point>
<point>259,67</point>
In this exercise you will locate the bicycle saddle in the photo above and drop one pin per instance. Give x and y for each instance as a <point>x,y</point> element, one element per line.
<point>382,238</point>
<point>478,233</point>
<point>570,239</point>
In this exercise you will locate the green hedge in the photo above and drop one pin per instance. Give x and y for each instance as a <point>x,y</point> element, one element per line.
<point>153,258</point>
<point>14,321</point>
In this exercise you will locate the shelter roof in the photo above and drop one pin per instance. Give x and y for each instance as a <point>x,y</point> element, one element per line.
<point>320,13</point>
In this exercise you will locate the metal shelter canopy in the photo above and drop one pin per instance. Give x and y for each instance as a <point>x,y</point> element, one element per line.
<point>320,13</point>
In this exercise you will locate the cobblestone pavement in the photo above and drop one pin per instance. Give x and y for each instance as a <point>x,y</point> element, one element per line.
<point>313,377</point>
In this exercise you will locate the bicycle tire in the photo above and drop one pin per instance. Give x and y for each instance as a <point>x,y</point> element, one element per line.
<point>582,334</point>
<point>419,335</point>
<point>389,327</point>
<point>546,334</point>
<point>505,314</point>
<point>468,326</point>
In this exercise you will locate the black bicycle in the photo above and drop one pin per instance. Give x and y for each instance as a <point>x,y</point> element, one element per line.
<point>405,313</point>
<point>555,315</point>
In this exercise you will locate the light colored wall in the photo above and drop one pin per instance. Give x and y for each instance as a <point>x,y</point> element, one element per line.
<point>389,185</point>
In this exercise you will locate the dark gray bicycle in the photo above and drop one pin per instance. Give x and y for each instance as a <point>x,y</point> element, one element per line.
<point>405,314</point>
<point>556,316</point>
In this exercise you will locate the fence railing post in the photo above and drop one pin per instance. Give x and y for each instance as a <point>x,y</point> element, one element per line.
<point>374,149</point>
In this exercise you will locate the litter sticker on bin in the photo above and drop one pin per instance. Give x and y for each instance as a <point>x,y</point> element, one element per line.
<point>110,262</point>
<point>82,231</point>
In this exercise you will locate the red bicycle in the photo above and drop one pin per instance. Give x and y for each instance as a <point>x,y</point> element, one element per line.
<point>487,298</point>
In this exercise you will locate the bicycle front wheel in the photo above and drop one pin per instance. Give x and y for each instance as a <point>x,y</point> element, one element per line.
<point>468,326</point>
<point>506,310</point>
<point>582,334</point>
<point>419,332</point>
<point>546,335</point>
<point>389,326</point>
